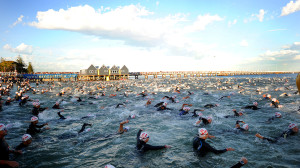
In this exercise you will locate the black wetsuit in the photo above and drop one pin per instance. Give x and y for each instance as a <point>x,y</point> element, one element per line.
<point>4,150</point>
<point>236,114</point>
<point>159,104</point>
<point>251,107</point>
<point>204,120</point>
<point>162,108</point>
<point>143,147</point>
<point>83,127</point>
<point>210,106</point>
<point>33,129</point>
<point>202,148</point>
<point>194,112</point>
<point>120,104</point>
<point>20,146</point>
<point>238,165</point>
<point>170,98</point>
<point>182,112</point>
<point>36,111</point>
<point>275,104</point>
<point>283,135</point>
<point>7,103</point>
<point>56,106</point>
<point>61,116</point>
<point>23,102</point>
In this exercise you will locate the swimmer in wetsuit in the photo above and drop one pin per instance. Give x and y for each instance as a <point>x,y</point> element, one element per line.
<point>292,130</point>
<point>204,120</point>
<point>34,128</point>
<point>61,117</point>
<point>184,110</point>
<point>236,114</point>
<point>83,127</point>
<point>202,148</point>
<point>211,105</point>
<point>194,112</point>
<point>245,127</point>
<point>277,115</point>
<point>170,98</point>
<point>253,107</point>
<point>120,104</point>
<point>26,141</point>
<point>56,105</point>
<point>241,163</point>
<point>275,103</point>
<point>163,107</point>
<point>37,108</point>
<point>142,139</point>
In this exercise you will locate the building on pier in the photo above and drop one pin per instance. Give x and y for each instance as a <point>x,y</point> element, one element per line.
<point>104,73</point>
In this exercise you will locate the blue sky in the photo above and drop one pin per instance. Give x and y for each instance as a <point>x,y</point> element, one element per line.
<point>177,35</point>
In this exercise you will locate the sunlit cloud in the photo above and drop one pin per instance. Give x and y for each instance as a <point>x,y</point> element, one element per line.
<point>291,7</point>
<point>21,49</point>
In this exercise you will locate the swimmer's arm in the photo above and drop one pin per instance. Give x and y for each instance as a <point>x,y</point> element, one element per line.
<point>211,149</point>
<point>9,163</point>
<point>150,147</point>
<point>121,126</point>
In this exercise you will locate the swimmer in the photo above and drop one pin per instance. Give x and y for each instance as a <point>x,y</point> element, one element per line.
<point>26,141</point>
<point>37,108</point>
<point>277,115</point>
<point>245,126</point>
<point>170,98</point>
<point>56,105</point>
<point>205,120</point>
<point>5,150</point>
<point>142,139</point>
<point>194,112</point>
<point>149,101</point>
<point>236,114</point>
<point>61,117</point>
<point>121,129</point>
<point>241,163</point>
<point>120,104</point>
<point>285,95</point>
<point>202,148</point>
<point>211,105</point>
<point>163,107</point>
<point>143,94</point>
<point>83,127</point>
<point>253,107</point>
<point>34,128</point>
<point>8,101</point>
<point>275,102</point>
<point>184,110</point>
<point>292,130</point>
<point>223,97</point>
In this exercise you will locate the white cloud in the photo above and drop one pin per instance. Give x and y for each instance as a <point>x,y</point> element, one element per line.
<point>261,14</point>
<point>131,24</point>
<point>230,23</point>
<point>291,7</point>
<point>244,43</point>
<point>20,19</point>
<point>21,49</point>
<point>202,22</point>
<point>157,3</point>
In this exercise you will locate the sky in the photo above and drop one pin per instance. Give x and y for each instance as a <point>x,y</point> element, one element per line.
<point>148,35</point>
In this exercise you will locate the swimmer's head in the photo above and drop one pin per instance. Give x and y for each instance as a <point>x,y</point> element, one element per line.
<point>174,96</point>
<point>57,103</point>
<point>269,96</point>
<point>278,115</point>
<point>200,114</point>
<point>255,103</point>
<point>240,113</point>
<point>26,139</point>
<point>209,119</point>
<point>165,104</point>
<point>186,108</point>
<point>246,127</point>
<point>203,133</point>
<point>294,127</point>
<point>274,99</point>
<point>34,119</point>
<point>132,116</point>
<point>3,130</point>
<point>8,98</point>
<point>109,166</point>
<point>144,137</point>
<point>126,129</point>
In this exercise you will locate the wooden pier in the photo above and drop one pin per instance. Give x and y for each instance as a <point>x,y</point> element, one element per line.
<point>185,74</point>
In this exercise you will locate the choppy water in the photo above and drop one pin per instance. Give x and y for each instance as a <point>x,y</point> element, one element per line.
<point>62,147</point>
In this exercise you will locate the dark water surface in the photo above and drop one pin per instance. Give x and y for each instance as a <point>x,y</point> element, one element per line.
<point>61,146</point>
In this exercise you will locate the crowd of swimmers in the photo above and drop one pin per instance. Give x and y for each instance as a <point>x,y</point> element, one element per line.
<point>200,146</point>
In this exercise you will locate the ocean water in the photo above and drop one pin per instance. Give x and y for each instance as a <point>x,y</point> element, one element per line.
<point>61,146</point>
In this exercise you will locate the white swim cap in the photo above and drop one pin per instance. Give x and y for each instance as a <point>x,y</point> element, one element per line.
<point>278,115</point>
<point>186,108</point>
<point>255,103</point>
<point>2,127</point>
<point>292,125</point>
<point>165,104</point>
<point>109,166</point>
<point>246,126</point>
<point>26,137</point>
<point>8,98</point>
<point>34,118</point>
<point>274,99</point>
<point>132,116</point>
<point>202,132</point>
<point>174,96</point>
<point>144,136</point>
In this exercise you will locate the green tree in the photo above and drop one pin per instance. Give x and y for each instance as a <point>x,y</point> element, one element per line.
<point>20,65</point>
<point>7,66</point>
<point>30,68</point>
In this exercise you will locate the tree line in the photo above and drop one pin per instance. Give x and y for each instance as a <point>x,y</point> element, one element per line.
<point>19,65</point>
